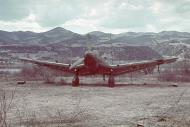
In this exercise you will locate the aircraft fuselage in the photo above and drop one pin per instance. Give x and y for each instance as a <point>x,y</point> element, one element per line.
<point>94,64</point>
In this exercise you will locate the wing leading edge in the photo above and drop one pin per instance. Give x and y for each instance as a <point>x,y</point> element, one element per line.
<point>115,69</point>
<point>132,67</point>
<point>52,65</point>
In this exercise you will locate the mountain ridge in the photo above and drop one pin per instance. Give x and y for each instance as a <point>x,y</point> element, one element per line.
<point>64,36</point>
<point>164,41</point>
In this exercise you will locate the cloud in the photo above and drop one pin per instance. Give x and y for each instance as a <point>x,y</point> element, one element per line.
<point>127,15</point>
<point>88,15</point>
<point>173,15</point>
<point>26,24</point>
<point>11,10</point>
<point>50,13</point>
<point>183,9</point>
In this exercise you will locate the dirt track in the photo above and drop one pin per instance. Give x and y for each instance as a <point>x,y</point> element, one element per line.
<point>100,106</point>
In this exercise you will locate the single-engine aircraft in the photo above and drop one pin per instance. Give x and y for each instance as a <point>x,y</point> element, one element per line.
<point>91,64</point>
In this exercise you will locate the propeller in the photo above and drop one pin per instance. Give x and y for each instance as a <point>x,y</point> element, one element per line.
<point>79,61</point>
<point>182,55</point>
<point>88,44</point>
<point>183,50</point>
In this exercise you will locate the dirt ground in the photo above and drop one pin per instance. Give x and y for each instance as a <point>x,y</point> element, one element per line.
<point>149,104</point>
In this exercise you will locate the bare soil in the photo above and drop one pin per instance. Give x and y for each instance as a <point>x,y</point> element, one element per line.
<point>154,104</point>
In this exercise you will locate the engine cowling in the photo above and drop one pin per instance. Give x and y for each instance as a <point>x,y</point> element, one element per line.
<point>91,63</point>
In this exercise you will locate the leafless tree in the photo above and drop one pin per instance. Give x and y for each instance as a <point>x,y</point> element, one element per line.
<point>5,106</point>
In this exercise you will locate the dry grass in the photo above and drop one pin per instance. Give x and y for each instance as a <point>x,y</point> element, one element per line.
<point>177,72</point>
<point>27,118</point>
<point>5,106</point>
<point>174,116</point>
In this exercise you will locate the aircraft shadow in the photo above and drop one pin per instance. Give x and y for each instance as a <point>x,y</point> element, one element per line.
<point>116,85</point>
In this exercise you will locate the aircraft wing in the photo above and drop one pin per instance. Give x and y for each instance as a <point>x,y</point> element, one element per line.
<point>52,65</point>
<point>132,67</point>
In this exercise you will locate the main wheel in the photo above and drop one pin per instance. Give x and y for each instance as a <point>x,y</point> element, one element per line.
<point>75,81</point>
<point>111,81</point>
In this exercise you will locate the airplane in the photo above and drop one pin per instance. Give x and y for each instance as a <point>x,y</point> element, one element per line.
<point>91,64</point>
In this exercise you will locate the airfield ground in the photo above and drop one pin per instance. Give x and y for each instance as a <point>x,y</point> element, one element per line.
<point>160,104</point>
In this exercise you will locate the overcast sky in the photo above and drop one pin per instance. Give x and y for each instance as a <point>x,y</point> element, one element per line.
<point>82,16</point>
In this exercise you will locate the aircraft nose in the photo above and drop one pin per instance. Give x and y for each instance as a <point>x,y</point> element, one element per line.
<point>89,59</point>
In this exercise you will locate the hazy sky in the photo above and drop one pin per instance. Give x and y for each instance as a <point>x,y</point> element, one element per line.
<point>82,16</point>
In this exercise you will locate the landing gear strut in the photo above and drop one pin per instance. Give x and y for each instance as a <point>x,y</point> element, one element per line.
<point>111,81</point>
<point>104,77</point>
<point>75,81</point>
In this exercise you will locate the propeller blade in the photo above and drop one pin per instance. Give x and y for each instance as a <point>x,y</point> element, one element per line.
<point>88,43</point>
<point>79,61</point>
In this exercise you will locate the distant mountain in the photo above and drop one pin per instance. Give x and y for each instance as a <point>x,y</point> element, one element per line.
<point>56,35</point>
<point>125,53</point>
<point>14,37</point>
<point>61,35</point>
<point>102,37</point>
<point>174,48</point>
<point>99,33</point>
<point>163,42</point>
<point>53,36</point>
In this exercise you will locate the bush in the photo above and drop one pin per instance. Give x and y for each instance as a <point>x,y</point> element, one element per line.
<point>179,71</point>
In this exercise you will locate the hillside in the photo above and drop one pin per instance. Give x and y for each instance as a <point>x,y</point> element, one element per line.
<point>166,43</point>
